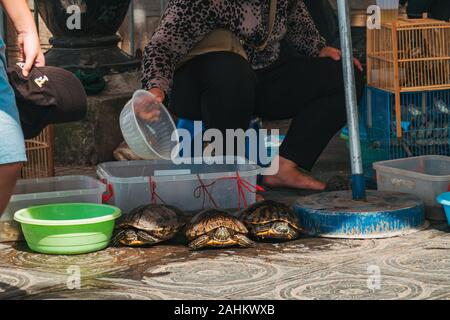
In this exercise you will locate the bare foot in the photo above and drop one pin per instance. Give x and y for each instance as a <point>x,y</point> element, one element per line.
<point>289,176</point>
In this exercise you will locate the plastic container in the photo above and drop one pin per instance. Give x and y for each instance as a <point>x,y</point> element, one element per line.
<point>425,176</point>
<point>388,4</point>
<point>444,200</point>
<point>33,192</point>
<point>70,228</point>
<point>389,9</point>
<point>273,144</point>
<point>149,139</point>
<point>136,183</point>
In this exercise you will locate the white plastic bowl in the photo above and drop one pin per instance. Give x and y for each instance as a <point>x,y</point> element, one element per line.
<point>148,139</point>
<point>388,4</point>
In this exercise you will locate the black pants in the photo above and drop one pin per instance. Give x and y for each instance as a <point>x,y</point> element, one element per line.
<point>223,91</point>
<point>436,9</point>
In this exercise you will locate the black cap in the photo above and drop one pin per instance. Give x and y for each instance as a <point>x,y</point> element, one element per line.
<point>49,95</point>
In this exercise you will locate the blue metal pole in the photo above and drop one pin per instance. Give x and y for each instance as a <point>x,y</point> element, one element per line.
<point>358,183</point>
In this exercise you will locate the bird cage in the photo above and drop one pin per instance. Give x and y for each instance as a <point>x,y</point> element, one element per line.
<point>409,55</point>
<point>40,156</point>
<point>425,124</point>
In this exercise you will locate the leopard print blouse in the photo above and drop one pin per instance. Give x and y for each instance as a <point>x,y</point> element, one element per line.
<point>186,22</point>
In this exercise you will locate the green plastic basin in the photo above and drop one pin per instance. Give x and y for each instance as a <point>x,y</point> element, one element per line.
<point>69,228</point>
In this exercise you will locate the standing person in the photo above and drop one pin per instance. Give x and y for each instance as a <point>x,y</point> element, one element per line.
<point>225,88</point>
<point>12,145</point>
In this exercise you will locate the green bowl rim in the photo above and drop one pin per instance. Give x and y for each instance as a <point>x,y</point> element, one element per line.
<point>114,215</point>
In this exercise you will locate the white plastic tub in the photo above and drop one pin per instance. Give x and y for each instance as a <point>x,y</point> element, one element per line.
<point>132,184</point>
<point>34,192</point>
<point>426,177</point>
<point>148,139</point>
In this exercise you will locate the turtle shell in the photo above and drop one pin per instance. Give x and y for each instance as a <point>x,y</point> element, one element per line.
<point>268,211</point>
<point>154,217</point>
<point>211,219</point>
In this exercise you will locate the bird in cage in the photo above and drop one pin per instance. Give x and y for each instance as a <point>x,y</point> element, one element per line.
<point>441,113</point>
<point>411,75</point>
<point>424,131</point>
<point>412,119</point>
<point>413,110</point>
<point>441,106</point>
<point>429,129</point>
<point>418,71</point>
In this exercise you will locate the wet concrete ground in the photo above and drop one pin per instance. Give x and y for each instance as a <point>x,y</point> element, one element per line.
<point>416,266</point>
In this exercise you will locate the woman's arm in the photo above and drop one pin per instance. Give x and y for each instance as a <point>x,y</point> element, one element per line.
<point>301,30</point>
<point>27,38</point>
<point>304,36</point>
<point>183,25</point>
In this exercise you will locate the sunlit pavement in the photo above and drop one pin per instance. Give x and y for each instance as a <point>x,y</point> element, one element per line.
<point>416,266</point>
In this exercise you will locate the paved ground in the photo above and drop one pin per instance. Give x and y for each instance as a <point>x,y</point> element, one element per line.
<point>416,266</point>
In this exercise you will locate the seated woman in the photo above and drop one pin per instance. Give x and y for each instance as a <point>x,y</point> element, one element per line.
<point>225,89</point>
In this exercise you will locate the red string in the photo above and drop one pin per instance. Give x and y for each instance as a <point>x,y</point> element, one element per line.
<point>153,194</point>
<point>109,188</point>
<point>241,184</point>
<point>202,190</point>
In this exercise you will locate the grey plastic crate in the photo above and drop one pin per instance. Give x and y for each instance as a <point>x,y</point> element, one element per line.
<point>33,192</point>
<point>425,176</point>
<point>178,185</point>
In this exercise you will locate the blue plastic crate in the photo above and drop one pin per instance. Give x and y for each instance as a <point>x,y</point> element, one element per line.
<point>425,124</point>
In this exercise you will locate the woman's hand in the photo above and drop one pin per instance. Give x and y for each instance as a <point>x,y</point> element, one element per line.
<point>158,93</point>
<point>30,51</point>
<point>336,54</point>
<point>147,107</point>
<point>27,36</point>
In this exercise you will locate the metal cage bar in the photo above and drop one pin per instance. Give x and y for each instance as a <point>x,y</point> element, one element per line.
<point>425,123</point>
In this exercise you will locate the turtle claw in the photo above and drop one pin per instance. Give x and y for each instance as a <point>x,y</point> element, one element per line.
<point>243,241</point>
<point>147,238</point>
<point>200,242</point>
<point>119,235</point>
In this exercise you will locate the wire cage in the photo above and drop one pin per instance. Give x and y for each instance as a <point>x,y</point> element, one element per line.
<point>409,55</point>
<point>425,125</point>
<point>40,156</point>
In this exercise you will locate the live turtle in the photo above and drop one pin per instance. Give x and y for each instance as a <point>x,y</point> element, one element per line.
<point>216,228</point>
<point>271,220</point>
<point>149,224</point>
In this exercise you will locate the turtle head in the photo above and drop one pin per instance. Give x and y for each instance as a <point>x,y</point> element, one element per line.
<point>281,227</point>
<point>278,230</point>
<point>284,230</point>
<point>222,234</point>
<point>128,238</point>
